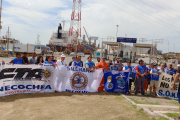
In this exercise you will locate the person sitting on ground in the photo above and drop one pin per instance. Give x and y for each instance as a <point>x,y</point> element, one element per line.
<point>24,57</point>
<point>98,61</point>
<point>73,59</point>
<point>155,72</point>
<point>33,59</point>
<point>40,60</point>
<point>128,67</point>
<point>90,64</point>
<point>110,63</point>
<point>62,61</point>
<point>170,70</point>
<point>102,65</point>
<point>77,62</point>
<point>18,59</point>
<point>49,61</point>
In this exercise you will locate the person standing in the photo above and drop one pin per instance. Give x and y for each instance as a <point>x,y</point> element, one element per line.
<point>33,59</point>
<point>98,61</point>
<point>40,60</point>
<point>177,76</point>
<point>18,59</point>
<point>90,64</point>
<point>102,65</point>
<point>120,65</point>
<point>162,68</point>
<point>170,70</point>
<point>110,63</point>
<point>73,59</point>
<point>140,74</point>
<point>24,57</point>
<point>154,79</point>
<point>114,67</point>
<point>77,62</point>
<point>80,60</point>
<point>62,61</point>
<point>128,67</point>
<point>49,61</point>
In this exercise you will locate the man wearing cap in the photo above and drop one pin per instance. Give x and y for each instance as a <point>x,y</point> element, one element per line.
<point>102,65</point>
<point>154,79</point>
<point>73,59</point>
<point>77,62</point>
<point>62,61</point>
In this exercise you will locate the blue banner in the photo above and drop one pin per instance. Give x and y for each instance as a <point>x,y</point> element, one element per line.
<point>116,81</point>
<point>127,40</point>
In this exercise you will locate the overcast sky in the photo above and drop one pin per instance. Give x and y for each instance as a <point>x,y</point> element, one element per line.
<point>150,19</point>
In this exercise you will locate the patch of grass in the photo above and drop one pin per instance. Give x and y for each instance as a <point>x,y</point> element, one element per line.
<point>173,115</point>
<point>174,102</point>
<point>149,103</point>
<point>161,118</point>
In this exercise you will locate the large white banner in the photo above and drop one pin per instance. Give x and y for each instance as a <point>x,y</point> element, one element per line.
<point>78,80</point>
<point>165,85</point>
<point>17,79</point>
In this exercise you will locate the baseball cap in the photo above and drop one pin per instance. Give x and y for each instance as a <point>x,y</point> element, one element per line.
<point>63,55</point>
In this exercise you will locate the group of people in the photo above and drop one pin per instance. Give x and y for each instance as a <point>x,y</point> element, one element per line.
<point>141,75</point>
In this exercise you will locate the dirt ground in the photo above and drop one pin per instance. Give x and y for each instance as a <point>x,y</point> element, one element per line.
<point>69,106</point>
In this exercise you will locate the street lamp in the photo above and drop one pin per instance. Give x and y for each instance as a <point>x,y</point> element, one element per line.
<point>116,39</point>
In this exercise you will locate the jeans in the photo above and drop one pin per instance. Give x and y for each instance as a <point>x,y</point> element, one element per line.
<point>139,80</point>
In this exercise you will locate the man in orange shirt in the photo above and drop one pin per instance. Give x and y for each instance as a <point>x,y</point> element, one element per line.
<point>102,65</point>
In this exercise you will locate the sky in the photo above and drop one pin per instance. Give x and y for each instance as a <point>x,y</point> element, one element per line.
<point>149,19</point>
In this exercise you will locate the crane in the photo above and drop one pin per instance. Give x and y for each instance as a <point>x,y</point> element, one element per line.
<point>87,36</point>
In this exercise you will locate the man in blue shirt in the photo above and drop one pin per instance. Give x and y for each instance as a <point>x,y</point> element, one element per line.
<point>170,70</point>
<point>18,59</point>
<point>154,79</point>
<point>128,67</point>
<point>77,62</point>
<point>90,64</point>
<point>114,67</point>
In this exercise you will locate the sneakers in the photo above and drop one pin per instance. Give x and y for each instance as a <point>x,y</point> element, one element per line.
<point>154,95</point>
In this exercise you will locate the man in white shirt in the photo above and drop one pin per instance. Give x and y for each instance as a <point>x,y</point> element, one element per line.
<point>62,62</point>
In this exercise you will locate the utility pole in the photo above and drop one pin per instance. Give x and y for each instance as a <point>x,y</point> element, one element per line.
<point>116,40</point>
<point>8,36</point>
<point>0,24</point>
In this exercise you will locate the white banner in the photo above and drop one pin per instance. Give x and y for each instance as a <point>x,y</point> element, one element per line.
<point>17,79</point>
<point>165,85</point>
<point>77,80</point>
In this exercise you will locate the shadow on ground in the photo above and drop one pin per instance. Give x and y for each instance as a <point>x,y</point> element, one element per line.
<point>13,98</point>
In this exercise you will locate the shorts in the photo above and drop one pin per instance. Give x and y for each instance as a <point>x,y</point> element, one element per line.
<point>154,83</point>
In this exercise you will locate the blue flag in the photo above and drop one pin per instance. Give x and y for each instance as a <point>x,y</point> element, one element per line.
<point>116,81</point>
